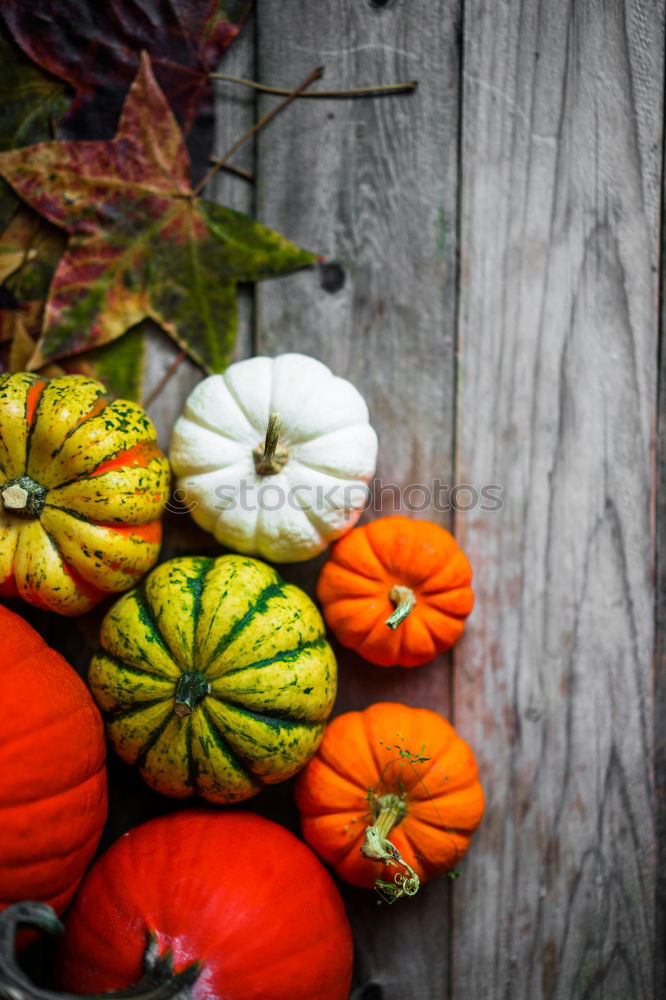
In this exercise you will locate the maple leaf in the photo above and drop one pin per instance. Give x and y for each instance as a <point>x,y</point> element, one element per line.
<point>95,47</point>
<point>141,243</point>
<point>30,249</point>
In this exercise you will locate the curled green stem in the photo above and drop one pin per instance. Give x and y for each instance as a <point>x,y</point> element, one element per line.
<point>158,982</point>
<point>388,812</point>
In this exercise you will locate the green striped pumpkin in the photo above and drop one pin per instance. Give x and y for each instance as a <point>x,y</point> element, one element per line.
<point>215,676</point>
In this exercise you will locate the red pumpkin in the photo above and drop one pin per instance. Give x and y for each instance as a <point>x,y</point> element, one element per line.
<point>52,773</point>
<point>236,892</point>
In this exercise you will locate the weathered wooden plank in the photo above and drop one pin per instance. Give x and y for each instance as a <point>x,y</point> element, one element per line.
<point>371,184</point>
<point>562,122</point>
<point>660,642</point>
<point>235,114</point>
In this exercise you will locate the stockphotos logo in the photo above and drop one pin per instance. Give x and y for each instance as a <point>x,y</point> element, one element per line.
<point>378,496</point>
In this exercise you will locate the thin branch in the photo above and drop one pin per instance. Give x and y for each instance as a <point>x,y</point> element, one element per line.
<point>314,75</point>
<point>236,170</point>
<point>385,88</point>
<point>168,375</point>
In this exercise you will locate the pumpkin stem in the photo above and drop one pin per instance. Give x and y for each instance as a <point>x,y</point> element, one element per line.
<point>388,811</point>
<point>191,688</point>
<point>23,497</point>
<point>270,457</point>
<point>159,981</point>
<point>403,600</point>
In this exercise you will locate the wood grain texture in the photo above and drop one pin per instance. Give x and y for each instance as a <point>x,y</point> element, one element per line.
<point>235,114</point>
<point>660,634</point>
<point>371,184</point>
<point>562,122</point>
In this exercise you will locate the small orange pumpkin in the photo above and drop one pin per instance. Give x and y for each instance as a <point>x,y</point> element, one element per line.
<point>390,787</point>
<point>397,591</point>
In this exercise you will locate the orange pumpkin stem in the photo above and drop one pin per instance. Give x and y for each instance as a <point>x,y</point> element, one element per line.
<point>270,457</point>
<point>388,810</point>
<point>403,599</point>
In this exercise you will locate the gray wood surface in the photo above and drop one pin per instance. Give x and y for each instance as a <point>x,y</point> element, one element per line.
<point>372,185</point>
<point>492,289</point>
<point>562,150</point>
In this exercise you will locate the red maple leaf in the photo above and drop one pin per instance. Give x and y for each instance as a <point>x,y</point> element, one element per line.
<point>95,45</point>
<point>141,243</point>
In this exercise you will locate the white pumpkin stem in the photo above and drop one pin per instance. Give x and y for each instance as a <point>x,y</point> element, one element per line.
<point>388,811</point>
<point>403,599</point>
<point>270,457</point>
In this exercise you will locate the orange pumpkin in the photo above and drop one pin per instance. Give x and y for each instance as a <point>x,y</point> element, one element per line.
<point>391,798</point>
<point>397,591</point>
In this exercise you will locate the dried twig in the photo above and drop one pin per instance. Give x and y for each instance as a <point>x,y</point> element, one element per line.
<point>384,88</point>
<point>314,75</point>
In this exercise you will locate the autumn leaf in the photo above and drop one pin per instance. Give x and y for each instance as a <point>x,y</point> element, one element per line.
<point>141,244</point>
<point>30,249</point>
<point>30,101</point>
<point>96,46</point>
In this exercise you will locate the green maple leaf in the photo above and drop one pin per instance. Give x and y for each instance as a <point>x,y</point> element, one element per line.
<point>141,243</point>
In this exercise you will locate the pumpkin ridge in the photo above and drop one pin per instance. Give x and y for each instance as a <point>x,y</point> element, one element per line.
<point>54,795</point>
<point>198,584</point>
<point>196,418</point>
<point>386,571</point>
<point>325,470</point>
<point>130,668</point>
<point>234,395</point>
<point>278,720</point>
<point>147,445</point>
<point>36,388</point>
<point>438,825</point>
<point>84,584</point>
<point>154,736</point>
<point>31,413</point>
<point>192,773</point>
<point>233,756</point>
<point>148,618</point>
<point>446,614</point>
<point>287,654</point>
<point>264,596</point>
<point>70,887</point>
<point>81,580</point>
<point>114,714</point>
<point>94,411</point>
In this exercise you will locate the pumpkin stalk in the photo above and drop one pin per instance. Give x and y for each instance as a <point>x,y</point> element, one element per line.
<point>191,688</point>
<point>23,497</point>
<point>158,982</point>
<point>403,600</point>
<point>270,457</point>
<point>388,810</point>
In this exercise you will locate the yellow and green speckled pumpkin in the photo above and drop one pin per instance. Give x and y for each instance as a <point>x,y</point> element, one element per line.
<point>82,487</point>
<point>216,677</point>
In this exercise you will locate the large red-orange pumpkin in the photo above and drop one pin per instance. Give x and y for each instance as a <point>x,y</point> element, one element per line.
<point>52,773</point>
<point>397,591</point>
<point>391,798</point>
<point>232,891</point>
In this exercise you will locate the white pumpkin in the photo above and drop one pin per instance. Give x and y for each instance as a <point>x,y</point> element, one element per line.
<point>282,491</point>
